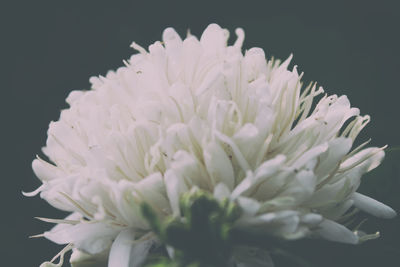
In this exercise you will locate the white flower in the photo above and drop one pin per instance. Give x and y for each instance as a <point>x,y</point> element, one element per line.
<point>199,113</point>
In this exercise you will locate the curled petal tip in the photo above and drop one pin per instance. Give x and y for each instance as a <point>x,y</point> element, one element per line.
<point>33,193</point>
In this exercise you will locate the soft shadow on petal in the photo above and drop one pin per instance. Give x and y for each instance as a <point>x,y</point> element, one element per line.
<point>128,252</point>
<point>89,237</point>
<point>373,206</point>
<point>81,259</point>
<point>333,231</point>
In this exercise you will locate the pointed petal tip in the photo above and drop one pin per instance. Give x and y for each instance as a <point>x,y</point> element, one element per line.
<point>36,236</point>
<point>34,192</point>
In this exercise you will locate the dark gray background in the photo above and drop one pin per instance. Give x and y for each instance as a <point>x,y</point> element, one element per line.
<point>53,47</point>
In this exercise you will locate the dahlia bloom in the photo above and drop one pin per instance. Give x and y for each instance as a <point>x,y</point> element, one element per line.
<point>201,114</point>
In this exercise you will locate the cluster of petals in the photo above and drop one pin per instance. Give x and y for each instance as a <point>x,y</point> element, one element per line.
<point>199,113</point>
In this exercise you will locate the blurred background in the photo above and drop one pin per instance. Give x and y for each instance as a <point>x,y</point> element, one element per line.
<point>52,47</point>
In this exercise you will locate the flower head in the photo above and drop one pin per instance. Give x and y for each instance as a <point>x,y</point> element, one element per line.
<point>201,114</point>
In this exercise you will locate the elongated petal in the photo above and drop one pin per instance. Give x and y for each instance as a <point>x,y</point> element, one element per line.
<point>128,252</point>
<point>221,191</point>
<point>309,155</point>
<point>173,44</point>
<point>175,186</point>
<point>338,148</point>
<point>333,231</point>
<point>188,168</point>
<point>89,237</point>
<point>249,206</point>
<point>279,223</point>
<point>311,219</point>
<point>45,171</point>
<point>152,190</point>
<point>265,171</point>
<point>301,187</point>
<point>218,165</point>
<point>373,206</point>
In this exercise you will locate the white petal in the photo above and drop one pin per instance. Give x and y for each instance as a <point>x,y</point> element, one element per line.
<point>128,252</point>
<point>333,231</point>
<point>342,185</point>
<point>278,203</point>
<point>189,168</point>
<point>236,151</point>
<point>249,206</point>
<point>91,238</point>
<point>311,218</point>
<point>49,264</point>
<point>367,159</point>
<point>218,165</point>
<point>221,191</point>
<point>373,206</point>
<point>173,44</point>
<point>255,62</point>
<point>175,186</point>
<point>276,223</point>
<point>338,148</point>
<point>152,190</point>
<point>328,194</point>
<point>334,210</point>
<point>309,155</point>
<point>301,187</point>
<point>75,95</point>
<point>265,171</point>
<point>81,259</point>
<point>192,51</point>
<point>128,204</point>
<point>43,170</point>
<point>213,40</point>
<point>249,140</point>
